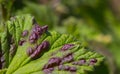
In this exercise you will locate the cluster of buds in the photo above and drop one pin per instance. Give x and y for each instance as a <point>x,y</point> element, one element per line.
<point>67,68</point>
<point>38,50</point>
<point>56,61</point>
<point>67,58</point>
<point>66,47</point>
<point>83,62</point>
<point>37,31</point>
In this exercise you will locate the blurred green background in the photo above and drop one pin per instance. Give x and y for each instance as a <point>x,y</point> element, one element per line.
<point>94,22</point>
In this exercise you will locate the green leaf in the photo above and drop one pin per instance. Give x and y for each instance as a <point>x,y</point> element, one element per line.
<point>5,48</point>
<point>57,45</point>
<point>2,71</point>
<point>18,24</point>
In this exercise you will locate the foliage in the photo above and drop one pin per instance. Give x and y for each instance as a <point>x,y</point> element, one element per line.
<point>71,52</point>
<point>93,22</point>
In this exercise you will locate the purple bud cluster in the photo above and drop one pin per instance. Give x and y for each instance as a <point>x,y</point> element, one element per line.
<point>66,47</point>
<point>49,67</point>
<point>80,62</point>
<point>30,51</point>
<point>67,58</point>
<point>37,31</point>
<point>55,61</point>
<point>92,61</point>
<point>67,68</point>
<point>39,49</point>
<point>48,70</point>
<point>24,33</point>
<point>83,62</point>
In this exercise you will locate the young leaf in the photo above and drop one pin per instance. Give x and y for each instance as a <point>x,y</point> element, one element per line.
<point>44,52</point>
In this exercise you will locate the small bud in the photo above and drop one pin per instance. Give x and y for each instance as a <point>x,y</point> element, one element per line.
<point>51,69</point>
<point>81,61</point>
<point>67,58</point>
<point>54,61</point>
<point>66,68</point>
<point>25,33</point>
<point>38,50</point>
<point>93,61</point>
<point>75,63</point>
<point>38,30</point>
<point>61,67</point>
<point>73,69</point>
<point>21,42</point>
<point>33,37</point>
<point>30,51</point>
<point>47,71</point>
<point>66,47</point>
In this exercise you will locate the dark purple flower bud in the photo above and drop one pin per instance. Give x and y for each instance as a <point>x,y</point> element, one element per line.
<point>21,42</point>
<point>43,47</point>
<point>46,44</point>
<point>75,63</point>
<point>25,33</point>
<point>73,69</point>
<point>66,47</point>
<point>39,49</point>
<point>67,58</point>
<point>38,30</point>
<point>61,67</point>
<point>55,61</point>
<point>51,69</point>
<point>33,37</point>
<point>47,71</point>
<point>35,54</point>
<point>81,61</point>
<point>93,61</point>
<point>30,51</point>
<point>66,68</point>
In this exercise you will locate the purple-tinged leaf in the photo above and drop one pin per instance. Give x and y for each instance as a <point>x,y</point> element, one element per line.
<point>25,33</point>
<point>21,42</point>
<point>39,49</point>
<point>55,61</point>
<point>73,69</point>
<point>81,61</point>
<point>29,51</point>
<point>66,47</point>
<point>67,58</point>
<point>33,37</point>
<point>92,61</point>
